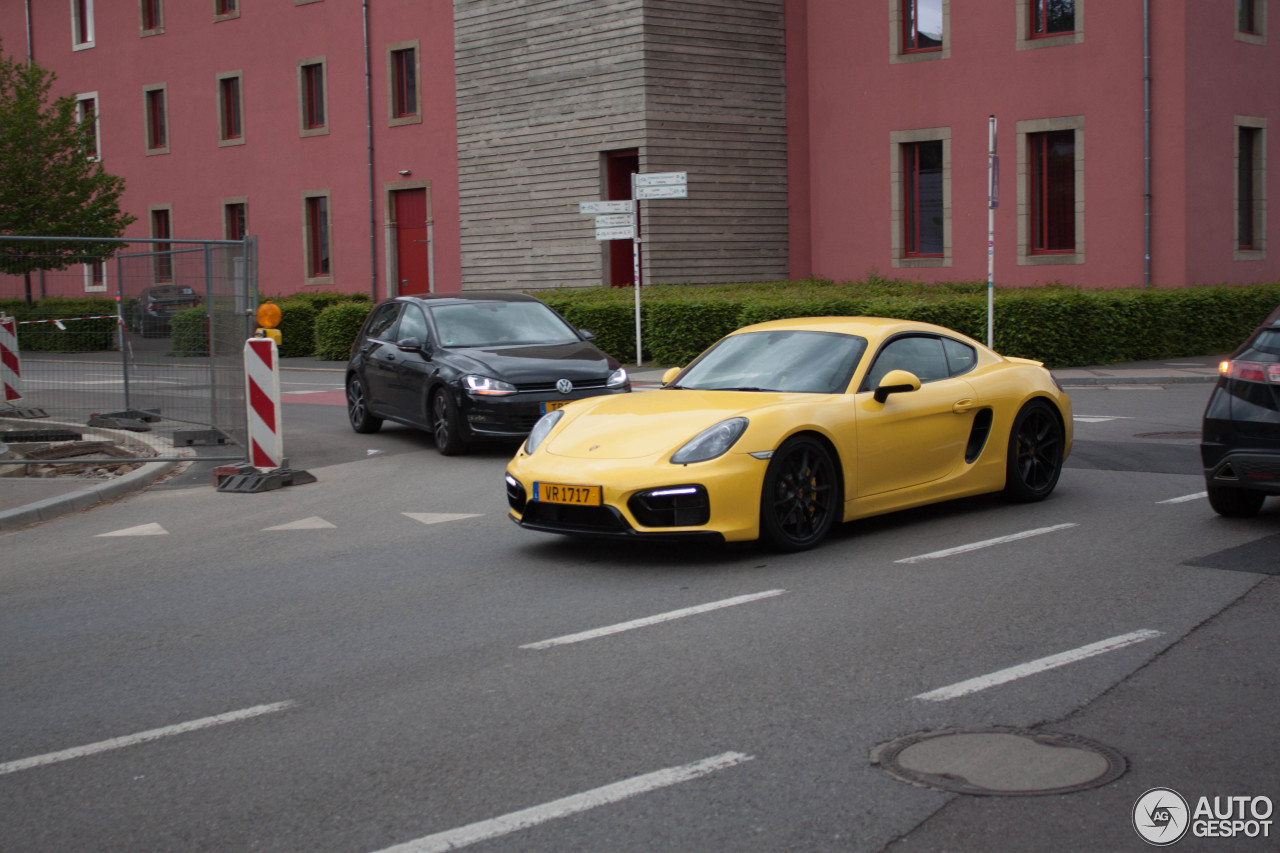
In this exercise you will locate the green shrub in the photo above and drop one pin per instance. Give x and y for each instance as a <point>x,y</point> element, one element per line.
<point>336,329</point>
<point>76,333</point>
<point>190,332</point>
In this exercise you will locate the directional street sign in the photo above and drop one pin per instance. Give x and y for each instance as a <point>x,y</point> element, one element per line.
<point>624,232</point>
<point>606,206</point>
<point>662,179</point>
<point>672,191</point>
<point>613,220</point>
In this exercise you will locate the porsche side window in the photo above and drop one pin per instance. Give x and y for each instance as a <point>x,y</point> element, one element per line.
<point>383,322</point>
<point>412,324</point>
<point>918,354</point>
<point>960,357</point>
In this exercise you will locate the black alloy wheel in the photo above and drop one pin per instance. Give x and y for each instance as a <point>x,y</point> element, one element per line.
<point>444,424</point>
<point>1036,444</point>
<point>1232,502</point>
<point>801,495</point>
<point>362,420</point>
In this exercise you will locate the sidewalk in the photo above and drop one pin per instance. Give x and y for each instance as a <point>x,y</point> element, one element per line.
<point>25,501</point>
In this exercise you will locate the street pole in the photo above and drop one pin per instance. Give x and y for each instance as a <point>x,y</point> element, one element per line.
<point>993,201</point>
<point>635,263</point>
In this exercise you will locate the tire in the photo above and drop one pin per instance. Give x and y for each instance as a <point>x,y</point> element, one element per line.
<point>800,500</point>
<point>444,424</point>
<point>1235,503</point>
<point>362,420</point>
<point>1036,444</point>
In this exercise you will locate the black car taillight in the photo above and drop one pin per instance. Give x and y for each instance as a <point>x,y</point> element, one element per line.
<point>1251,371</point>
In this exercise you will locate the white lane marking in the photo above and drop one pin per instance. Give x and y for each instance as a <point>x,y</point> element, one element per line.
<point>524,819</point>
<point>652,620</point>
<point>142,737</point>
<point>1197,496</point>
<point>437,517</point>
<point>315,522</point>
<point>1093,419</point>
<point>140,530</point>
<point>973,685</point>
<point>986,543</point>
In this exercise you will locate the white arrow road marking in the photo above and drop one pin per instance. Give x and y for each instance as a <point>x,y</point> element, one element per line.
<point>986,543</point>
<point>142,737</point>
<point>437,517</point>
<point>315,522</point>
<point>652,620</point>
<point>973,685</point>
<point>524,819</point>
<point>1098,419</point>
<point>140,530</point>
<point>1197,496</point>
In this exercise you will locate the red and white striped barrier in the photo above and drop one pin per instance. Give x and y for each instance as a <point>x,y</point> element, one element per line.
<point>10,364</point>
<point>262,394</point>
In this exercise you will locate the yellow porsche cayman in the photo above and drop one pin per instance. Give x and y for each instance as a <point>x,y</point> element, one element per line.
<point>782,429</point>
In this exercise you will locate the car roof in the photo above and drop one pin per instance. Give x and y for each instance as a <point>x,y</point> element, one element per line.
<point>469,297</point>
<point>868,327</point>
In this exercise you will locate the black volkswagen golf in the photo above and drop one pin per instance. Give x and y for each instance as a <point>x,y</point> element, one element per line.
<point>471,366</point>
<point>1240,448</point>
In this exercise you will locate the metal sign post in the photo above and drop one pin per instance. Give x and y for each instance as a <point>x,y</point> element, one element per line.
<point>616,220</point>
<point>993,201</point>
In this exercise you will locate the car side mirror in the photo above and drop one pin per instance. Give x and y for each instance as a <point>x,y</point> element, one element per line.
<point>414,344</point>
<point>896,382</point>
<point>586,335</point>
<point>670,374</point>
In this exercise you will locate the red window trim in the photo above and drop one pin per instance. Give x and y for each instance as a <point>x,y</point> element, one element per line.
<point>1246,220</point>
<point>318,249</point>
<point>82,34</point>
<point>911,30</point>
<point>1247,18</point>
<point>1043,220</point>
<point>1040,9</point>
<point>235,221</point>
<point>161,229</point>
<point>911,201</point>
<point>229,92</point>
<point>152,15</point>
<point>405,64</point>
<point>157,131</point>
<point>313,114</point>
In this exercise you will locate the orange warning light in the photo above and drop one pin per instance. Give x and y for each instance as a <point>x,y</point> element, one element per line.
<point>268,315</point>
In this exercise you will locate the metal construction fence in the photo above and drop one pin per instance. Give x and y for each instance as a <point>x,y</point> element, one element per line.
<point>153,334</point>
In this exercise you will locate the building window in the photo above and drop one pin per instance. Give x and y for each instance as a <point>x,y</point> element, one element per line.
<point>1051,191</point>
<point>87,113</point>
<point>230,109</point>
<point>162,259</point>
<point>921,197</point>
<point>312,99</point>
<point>919,30</point>
<point>1250,193</point>
<point>402,76</point>
<point>1049,23</point>
<point>317,228</point>
<point>235,219</point>
<point>155,98</point>
<point>1251,21</point>
<point>921,25</point>
<point>152,16</point>
<point>225,9</point>
<point>81,24</point>
<point>95,277</point>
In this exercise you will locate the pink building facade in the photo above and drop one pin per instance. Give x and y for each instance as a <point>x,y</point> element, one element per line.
<point>402,146</point>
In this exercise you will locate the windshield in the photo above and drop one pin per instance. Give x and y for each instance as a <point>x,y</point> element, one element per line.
<point>482,324</point>
<point>792,361</point>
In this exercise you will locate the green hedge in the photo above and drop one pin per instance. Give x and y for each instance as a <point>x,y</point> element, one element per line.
<point>337,327</point>
<point>75,335</point>
<point>299,312</point>
<point>1061,326</point>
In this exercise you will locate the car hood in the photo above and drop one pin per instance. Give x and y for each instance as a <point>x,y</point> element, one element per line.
<point>539,363</point>
<point>653,423</point>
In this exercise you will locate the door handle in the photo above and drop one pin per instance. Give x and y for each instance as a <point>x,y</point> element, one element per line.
<point>962,406</point>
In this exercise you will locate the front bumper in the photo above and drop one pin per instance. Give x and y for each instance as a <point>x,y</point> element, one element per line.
<point>513,416</point>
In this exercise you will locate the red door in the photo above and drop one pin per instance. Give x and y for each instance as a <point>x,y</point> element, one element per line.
<point>621,262</point>
<point>412,259</point>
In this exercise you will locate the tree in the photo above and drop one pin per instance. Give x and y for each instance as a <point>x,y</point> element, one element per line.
<point>52,183</point>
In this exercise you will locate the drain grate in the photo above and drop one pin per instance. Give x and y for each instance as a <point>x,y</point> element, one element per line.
<point>1000,761</point>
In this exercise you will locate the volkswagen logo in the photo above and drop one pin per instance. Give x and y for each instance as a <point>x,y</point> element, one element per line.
<point>564,386</point>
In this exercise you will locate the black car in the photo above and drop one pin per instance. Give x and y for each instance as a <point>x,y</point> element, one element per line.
<point>471,366</point>
<point>155,307</point>
<point>1241,443</point>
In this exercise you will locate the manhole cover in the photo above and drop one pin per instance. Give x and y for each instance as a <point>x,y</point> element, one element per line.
<point>1000,762</point>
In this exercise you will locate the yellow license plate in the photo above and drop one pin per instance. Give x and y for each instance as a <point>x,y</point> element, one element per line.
<point>552,405</point>
<point>559,493</point>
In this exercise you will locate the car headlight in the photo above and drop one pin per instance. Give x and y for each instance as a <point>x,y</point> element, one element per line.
<point>487,386</point>
<point>711,442</point>
<point>541,429</point>
<point>617,379</point>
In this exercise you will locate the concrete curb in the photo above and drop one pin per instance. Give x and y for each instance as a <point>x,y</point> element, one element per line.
<point>96,492</point>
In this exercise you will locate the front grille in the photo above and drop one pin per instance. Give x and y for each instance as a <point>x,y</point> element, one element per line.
<point>671,506</point>
<point>550,387</point>
<point>595,519</point>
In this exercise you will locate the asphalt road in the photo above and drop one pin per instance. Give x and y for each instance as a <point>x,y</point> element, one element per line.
<point>382,658</point>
